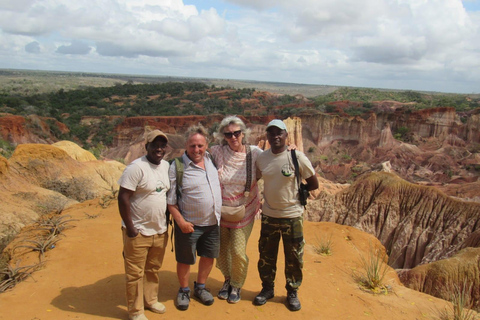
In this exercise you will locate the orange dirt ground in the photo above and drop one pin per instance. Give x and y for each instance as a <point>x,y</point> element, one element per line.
<point>83,279</point>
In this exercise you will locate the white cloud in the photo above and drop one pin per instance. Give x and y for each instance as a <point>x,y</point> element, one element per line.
<point>406,44</point>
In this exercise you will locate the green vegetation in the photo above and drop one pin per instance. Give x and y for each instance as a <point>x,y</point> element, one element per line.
<point>373,268</point>
<point>6,148</point>
<point>92,112</point>
<point>108,106</point>
<point>401,133</point>
<point>460,102</point>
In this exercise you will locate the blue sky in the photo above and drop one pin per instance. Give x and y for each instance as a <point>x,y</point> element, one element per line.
<point>429,45</point>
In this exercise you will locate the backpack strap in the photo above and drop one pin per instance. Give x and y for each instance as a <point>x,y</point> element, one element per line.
<point>295,164</point>
<point>180,167</point>
<point>248,182</point>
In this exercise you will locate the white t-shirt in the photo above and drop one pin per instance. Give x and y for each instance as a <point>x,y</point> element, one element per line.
<point>280,184</point>
<point>148,203</point>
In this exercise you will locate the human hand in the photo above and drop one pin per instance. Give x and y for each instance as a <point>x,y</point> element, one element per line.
<point>291,147</point>
<point>186,227</point>
<point>132,233</point>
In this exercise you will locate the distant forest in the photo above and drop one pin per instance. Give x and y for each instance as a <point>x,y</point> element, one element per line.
<point>195,98</point>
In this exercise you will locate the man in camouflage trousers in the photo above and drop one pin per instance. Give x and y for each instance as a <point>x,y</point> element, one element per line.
<point>282,215</point>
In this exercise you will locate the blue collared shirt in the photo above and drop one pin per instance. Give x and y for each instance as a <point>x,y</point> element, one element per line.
<point>201,196</point>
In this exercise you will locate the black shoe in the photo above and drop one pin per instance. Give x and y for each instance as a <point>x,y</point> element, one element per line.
<point>263,296</point>
<point>292,301</point>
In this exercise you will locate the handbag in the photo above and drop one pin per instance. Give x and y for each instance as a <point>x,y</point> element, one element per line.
<point>235,214</point>
<point>303,192</point>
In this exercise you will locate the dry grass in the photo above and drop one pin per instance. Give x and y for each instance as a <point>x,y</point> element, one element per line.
<point>41,244</point>
<point>107,199</point>
<point>75,188</point>
<point>11,276</point>
<point>54,224</point>
<point>373,269</point>
<point>461,304</point>
<point>323,246</point>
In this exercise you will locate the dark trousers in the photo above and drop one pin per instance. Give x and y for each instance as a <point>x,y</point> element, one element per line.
<point>291,232</point>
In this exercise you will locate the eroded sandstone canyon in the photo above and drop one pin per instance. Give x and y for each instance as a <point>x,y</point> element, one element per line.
<point>424,210</point>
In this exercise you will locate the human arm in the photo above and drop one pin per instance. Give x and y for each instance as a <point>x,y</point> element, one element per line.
<point>185,226</point>
<point>307,171</point>
<point>172,202</point>
<point>312,183</point>
<point>124,196</point>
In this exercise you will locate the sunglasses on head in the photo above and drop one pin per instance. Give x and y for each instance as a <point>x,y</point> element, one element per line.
<point>229,135</point>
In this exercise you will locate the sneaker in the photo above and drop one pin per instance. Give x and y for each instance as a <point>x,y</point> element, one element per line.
<point>203,295</point>
<point>234,296</point>
<point>292,301</point>
<point>140,316</point>
<point>183,299</point>
<point>263,296</point>
<point>225,291</point>
<point>157,307</point>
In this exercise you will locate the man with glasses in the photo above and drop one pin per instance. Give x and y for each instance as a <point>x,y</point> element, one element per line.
<point>282,214</point>
<point>142,205</point>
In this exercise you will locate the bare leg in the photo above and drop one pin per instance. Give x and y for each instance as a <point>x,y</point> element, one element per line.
<point>204,267</point>
<point>183,274</point>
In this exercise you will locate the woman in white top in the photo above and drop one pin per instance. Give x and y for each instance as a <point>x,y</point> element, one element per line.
<point>230,157</point>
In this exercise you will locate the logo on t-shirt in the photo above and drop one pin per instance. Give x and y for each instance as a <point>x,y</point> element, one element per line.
<point>287,170</point>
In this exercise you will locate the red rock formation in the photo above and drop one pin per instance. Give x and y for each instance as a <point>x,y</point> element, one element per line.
<point>443,277</point>
<point>32,129</point>
<point>416,224</point>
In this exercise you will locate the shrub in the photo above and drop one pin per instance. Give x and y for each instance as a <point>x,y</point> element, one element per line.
<point>41,244</point>
<point>11,276</point>
<point>75,188</point>
<point>323,246</point>
<point>373,268</point>
<point>461,304</point>
<point>6,148</point>
<point>54,224</point>
<point>53,204</point>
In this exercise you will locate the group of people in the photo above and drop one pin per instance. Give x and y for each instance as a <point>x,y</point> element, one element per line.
<point>213,198</point>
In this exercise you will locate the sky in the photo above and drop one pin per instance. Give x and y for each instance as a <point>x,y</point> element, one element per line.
<point>425,45</point>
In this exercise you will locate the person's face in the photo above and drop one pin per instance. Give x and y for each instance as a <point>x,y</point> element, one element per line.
<point>156,150</point>
<point>234,136</point>
<point>277,138</point>
<point>196,147</point>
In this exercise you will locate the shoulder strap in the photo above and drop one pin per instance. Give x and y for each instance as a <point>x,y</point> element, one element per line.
<point>295,164</point>
<point>209,156</point>
<point>248,183</point>
<point>179,168</point>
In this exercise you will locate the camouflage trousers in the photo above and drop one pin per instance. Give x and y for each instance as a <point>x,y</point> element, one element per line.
<point>291,232</point>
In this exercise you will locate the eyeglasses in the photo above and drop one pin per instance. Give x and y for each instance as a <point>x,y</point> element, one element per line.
<point>229,135</point>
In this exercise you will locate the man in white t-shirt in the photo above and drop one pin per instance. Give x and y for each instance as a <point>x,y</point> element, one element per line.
<point>282,214</point>
<point>142,205</point>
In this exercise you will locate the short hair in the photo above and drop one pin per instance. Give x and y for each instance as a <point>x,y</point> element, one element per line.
<point>196,129</point>
<point>219,136</point>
